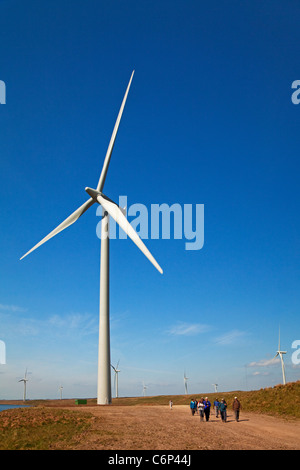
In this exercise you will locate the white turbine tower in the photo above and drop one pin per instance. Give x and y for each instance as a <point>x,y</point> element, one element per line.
<point>110,208</point>
<point>185,379</point>
<point>280,353</point>
<point>25,380</point>
<point>144,389</point>
<point>61,389</point>
<point>216,387</point>
<point>116,378</point>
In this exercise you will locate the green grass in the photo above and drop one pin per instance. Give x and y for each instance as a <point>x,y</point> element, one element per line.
<point>41,428</point>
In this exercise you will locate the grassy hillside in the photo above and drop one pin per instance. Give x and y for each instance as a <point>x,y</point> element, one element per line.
<point>47,425</point>
<point>281,400</point>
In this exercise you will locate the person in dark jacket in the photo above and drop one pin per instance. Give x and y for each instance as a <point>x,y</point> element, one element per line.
<point>222,409</point>
<point>236,406</point>
<point>207,406</point>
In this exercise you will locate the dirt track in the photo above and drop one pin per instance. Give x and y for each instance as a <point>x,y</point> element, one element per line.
<point>159,428</point>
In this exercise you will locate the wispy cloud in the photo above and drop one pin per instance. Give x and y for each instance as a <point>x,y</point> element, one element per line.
<point>256,373</point>
<point>54,326</point>
<point>230,337</point>
<point>12,308</point>
<point>188,329</point>
<point>83,322</point>
<point>264,363</point>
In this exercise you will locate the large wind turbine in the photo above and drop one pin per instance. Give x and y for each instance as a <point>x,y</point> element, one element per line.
<point>280,353</point>
<point>216,387</point>
<point>116,378</point>
<point>110,208</point>
<point>25,380</point>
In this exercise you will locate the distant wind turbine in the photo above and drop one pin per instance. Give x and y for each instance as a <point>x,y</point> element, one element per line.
<point>25,380</point>
<point>185,379</point>
<point>110,208</point>
<point>144,389</point>
<point>116,378</point>
<point>216,387</point>
<point>61,389</point>
<point>280,353</point>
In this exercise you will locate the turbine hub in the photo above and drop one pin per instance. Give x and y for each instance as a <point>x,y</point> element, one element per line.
<point>93,192</point>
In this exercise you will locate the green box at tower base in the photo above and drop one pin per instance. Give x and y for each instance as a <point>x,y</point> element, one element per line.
<point>80,402</point>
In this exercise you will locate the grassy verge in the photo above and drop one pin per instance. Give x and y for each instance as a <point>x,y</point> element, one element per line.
<point>41,428</point>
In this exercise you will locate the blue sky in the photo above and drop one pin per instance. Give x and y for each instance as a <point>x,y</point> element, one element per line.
<point>209,120</point>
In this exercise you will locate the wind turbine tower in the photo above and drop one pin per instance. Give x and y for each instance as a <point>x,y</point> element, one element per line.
<point>216,387</point>
<point>111,209</point>
<point>144,389</point>
<point>61,389</point>
<point>25,380</point>
<point>185,379</point>
<point>116,378</point>
<point>280,353</point>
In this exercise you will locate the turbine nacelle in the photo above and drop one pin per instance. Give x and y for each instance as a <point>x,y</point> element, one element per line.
<point>93,193</point>
<point>279,353</point>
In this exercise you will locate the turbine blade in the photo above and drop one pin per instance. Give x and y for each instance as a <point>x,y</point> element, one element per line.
<point>112,140</point>
<point>66,223</point>
<point>116,213</point>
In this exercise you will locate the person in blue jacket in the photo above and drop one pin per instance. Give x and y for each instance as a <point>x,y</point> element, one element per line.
<point>216,407</point>
<point>222,409</point>
<point>207,406</point>
<point>193,406</point>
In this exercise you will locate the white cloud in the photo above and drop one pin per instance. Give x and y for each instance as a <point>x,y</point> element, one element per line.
<point>264,363</point>
<point>188,329</point>
<point>12,308</point>
<point>54,326</point>
<point>230,337</point>
<point>85,323</point>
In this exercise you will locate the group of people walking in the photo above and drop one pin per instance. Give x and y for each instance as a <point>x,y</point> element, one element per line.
<point>203,407</point>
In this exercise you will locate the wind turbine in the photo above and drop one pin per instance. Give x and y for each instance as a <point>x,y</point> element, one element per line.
<point>60,389</point>
<point>144,389</point>
<point>110,208</point>
<point>116,378</point>
<point>216,387</point>
<point>25,380</point>
<point>185,379</point>
<point>280,353</point>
